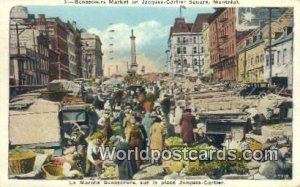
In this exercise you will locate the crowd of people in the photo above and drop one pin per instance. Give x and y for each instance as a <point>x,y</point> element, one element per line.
<point>145,116</point>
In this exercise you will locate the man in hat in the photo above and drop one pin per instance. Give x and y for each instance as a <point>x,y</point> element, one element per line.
<point>93,159</point>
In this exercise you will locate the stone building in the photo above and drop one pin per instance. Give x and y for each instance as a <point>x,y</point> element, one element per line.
<point>186,46</point>
<point>29,61</point>
<point>91,55</point>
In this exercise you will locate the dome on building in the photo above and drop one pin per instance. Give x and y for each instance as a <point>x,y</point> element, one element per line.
<point>19,12</point>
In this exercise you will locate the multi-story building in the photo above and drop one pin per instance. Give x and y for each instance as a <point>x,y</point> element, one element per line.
<point>254,52</point>
<point>29,62</point>
<point>71,28</point>
<point>78,51</point>
<point>43,50</point>
<point>222,34</point>
<point>251,56</point>
<point>282,64</point>
<point>206,70</point>
<point>186,46</point>
<point>91,55</point>
<point>58,34</point>
<point>225,25</point>
<point>241,56</point>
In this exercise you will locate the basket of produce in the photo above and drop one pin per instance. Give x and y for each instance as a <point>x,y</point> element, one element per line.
<point>110,172</point>
<point>21,162</point>
<point>52,171</point>
<point>116,127</point>
<point>174,142</point>
<point>172,166</point>
<point>255,145</point>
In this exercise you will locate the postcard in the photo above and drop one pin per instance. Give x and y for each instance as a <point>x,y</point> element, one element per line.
<point>149,93</point>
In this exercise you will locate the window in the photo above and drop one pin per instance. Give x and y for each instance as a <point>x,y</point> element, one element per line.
<point>195,50</point>
<point>178,50</point>
<point>184,50</point>
<point>195,62</point>
<point>195,40</point>
<point>184,62</point>
<point>284,55</point>
<point>178,39</point>
<point>272,58</point>
<point>257,59</point>
<point>261,57</point>
<point>278,57</point>
<point>267,59</point>
<point>184,40</point>
<point>179,62</point>
<point>202,49</point>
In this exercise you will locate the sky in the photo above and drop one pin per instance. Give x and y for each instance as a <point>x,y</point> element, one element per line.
<point>151,27</point>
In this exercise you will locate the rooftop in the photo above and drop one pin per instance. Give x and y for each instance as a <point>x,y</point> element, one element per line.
<point>180,26</point>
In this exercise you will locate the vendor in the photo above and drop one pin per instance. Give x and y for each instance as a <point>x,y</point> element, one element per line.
<point>93,160</point>
<point>136,139</point>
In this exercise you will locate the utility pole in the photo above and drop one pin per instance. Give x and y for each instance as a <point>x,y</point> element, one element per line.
<point>18,55</point>
<point>270,46</point>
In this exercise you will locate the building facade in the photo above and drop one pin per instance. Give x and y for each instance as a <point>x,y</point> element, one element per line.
<point>91,56</point>
<point>29,59</point>
<point>252,54</point>
<point>43,50</point>
<point>206,70</point>
<point>186,46</point>
<point>58,35</point>
<point>225,26</point>
<point>282,65</point>
<point>71,50</point>
<point>222,34</point>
